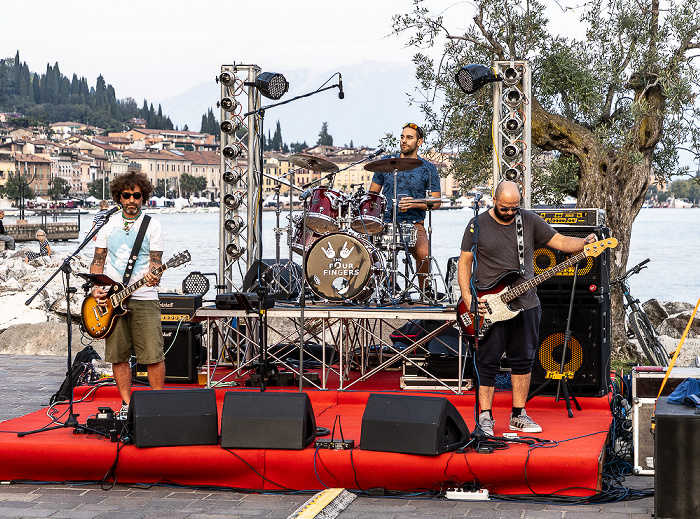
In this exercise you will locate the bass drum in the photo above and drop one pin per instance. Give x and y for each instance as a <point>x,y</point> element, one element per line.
<point>340,267</point>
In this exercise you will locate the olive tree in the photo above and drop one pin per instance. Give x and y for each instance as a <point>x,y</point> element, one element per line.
<point>613,107</point>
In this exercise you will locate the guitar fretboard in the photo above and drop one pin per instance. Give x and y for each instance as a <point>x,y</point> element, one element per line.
<point>123,294</point>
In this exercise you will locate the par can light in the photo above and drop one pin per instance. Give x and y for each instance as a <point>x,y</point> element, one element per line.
<point>231,151</point>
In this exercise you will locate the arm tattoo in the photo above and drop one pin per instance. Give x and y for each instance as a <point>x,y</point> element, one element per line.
<point>100,257</point>
<point>156,259</point>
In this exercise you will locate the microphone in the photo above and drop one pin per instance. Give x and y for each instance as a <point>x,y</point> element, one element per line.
<point>377,153</point>
<point>478,197</point>
<point>306,194</point>
<point>341,94</point>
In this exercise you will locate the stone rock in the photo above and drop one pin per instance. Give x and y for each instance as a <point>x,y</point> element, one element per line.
<point>674,326</point>
<point>689,352</point>
<point>676,307</point>
<point>48,338</point>
<point>656,312</point>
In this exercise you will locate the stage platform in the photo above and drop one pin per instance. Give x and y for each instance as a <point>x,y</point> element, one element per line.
<point>567,459</point>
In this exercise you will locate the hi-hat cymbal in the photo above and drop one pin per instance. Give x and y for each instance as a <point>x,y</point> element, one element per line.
<point>389,165</point>
<point>313,163</point>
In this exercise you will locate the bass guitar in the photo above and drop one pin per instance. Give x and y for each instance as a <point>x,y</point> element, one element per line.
<point>499,294</point>
<point>99,320</point>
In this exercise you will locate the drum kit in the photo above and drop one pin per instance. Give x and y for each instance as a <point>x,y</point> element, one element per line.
<point>349,252</point>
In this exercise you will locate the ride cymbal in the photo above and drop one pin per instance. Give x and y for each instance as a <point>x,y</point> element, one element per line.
<point>313,163</point>
<point>389,165</point>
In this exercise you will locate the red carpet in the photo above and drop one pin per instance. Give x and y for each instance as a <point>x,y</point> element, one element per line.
<point>568,466</point>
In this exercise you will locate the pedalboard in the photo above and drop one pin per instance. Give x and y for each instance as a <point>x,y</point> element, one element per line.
<point>335,445</point>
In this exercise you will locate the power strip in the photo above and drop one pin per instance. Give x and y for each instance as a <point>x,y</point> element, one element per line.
<point>336,445</point>
<point>461,495</point>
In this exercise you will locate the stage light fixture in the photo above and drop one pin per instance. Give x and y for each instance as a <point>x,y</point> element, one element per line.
<point>234,225</point>
<point>226,78</point>
<point>271,85</point>
<point>511,76</point>
<point>230,125</point>
<point>511,151</point>
<point>233,201</point>
<point>471,78</point>
<point>513,125</point>
<point>233,176</point>
<point>512,173</point>
<point>512,97</point>
<point>231,151</point>
<point>235,251</point>
<point>229,104</point>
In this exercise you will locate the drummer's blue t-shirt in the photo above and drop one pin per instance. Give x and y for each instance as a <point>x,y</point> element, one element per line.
<point>416,183</point>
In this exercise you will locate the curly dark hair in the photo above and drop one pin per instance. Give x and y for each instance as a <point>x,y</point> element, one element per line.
<point>129,180</point>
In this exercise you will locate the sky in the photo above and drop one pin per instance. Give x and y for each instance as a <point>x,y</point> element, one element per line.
<point>169,53</point>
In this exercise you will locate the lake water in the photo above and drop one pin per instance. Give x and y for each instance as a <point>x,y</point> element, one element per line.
<point>669,237</point>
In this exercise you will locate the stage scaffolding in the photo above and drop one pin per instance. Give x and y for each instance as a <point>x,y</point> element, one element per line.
<point>349,337</point>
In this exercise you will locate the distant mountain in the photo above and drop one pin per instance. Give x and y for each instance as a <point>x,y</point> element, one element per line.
<point>376,102</point>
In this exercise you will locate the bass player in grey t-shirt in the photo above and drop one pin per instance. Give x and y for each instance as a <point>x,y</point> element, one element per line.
<point>497,256</point>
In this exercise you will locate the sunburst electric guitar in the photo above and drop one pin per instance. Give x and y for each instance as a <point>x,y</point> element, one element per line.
<point>99,320</point>
<point>500,293</point>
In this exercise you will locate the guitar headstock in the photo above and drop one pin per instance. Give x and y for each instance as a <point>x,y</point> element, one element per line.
<point>179,259</point>
<point>596,248</point>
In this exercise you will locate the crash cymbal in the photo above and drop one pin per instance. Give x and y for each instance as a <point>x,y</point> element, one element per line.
<point>430,201</point>
<point>389,165</point>
<point>313,163</point>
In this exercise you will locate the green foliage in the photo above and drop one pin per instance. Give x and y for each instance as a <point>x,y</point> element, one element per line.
<point>16,183</point>
<point>555,181</point>
<point>96,186</point>
<point>689,189</point>
<point>59,187</point>
<point>190,184</point>
<point>51,97</point>
<point>210,125</point>
<point>324,138</point>
<point>298,147</point>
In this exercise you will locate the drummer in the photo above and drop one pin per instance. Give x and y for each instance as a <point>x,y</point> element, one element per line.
<point>411,184</point>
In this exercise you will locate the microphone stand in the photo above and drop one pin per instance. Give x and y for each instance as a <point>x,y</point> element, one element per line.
<point>66,269</point>
<point>262,286</point>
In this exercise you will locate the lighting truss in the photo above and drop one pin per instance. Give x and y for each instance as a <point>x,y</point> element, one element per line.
<point>512,126</point>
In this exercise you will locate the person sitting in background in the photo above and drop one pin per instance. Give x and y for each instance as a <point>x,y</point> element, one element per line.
<point>44,247</point>
<point>104,207</point>
<point>9,240</point>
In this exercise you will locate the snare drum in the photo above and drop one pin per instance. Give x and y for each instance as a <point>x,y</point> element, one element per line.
<point>406,234</point>
<point>341,267</point>
<point>300,242</point>
<point>324,209</point>
<point>370,219</point>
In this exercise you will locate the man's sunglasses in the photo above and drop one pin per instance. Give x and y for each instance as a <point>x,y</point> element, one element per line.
<point>136,196</point>
<point>415,127</point>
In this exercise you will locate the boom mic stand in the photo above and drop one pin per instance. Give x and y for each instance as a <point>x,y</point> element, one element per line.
<point>66,269</point>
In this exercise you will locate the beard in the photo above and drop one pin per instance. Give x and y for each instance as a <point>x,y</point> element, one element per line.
<point>506,217</point>
<point>131,209</point>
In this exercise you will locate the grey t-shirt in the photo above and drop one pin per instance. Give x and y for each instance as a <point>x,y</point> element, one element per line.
<point>497,251</point>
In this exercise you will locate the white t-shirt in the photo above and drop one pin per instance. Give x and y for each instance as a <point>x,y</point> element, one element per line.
<point>119,244</point>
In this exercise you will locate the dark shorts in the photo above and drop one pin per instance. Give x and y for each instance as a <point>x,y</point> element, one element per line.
<point>140,332</point>
<point>517,338</point>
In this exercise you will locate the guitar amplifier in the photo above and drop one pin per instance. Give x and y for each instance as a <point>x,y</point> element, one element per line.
<point>573,217</point>
<point>178,307</point>
<point>182,343</point>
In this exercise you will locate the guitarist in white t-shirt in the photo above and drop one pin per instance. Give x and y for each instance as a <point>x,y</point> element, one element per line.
<point>139,330</point>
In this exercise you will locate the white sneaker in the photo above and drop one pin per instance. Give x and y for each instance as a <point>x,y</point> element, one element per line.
<point>486,423</point>
<point>524,423</point>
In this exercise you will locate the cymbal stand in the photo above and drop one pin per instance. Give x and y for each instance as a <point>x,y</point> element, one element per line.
<point>394,249</point>
<point>432,298</point>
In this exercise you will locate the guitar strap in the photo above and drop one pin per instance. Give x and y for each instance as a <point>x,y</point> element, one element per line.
<point>135,250</point>
<point>521,241</point>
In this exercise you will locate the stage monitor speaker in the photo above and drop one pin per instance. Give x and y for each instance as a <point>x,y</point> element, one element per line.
<point>276,277</point>
<point>183,353</point>
<point>593,272</point>
<point>169,418</point>
<point>588,352</point>
<point>254,420</point>
<point>412,425</point>
<point>676,461</point>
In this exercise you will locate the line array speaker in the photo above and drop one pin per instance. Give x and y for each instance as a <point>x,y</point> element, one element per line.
<point>412,425</point>
<point>168,418</point>
<point>588,352</point>
<point>183,347</point>
<point>254,420</point>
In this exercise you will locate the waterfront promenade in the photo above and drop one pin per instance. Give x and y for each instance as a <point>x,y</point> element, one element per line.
<point>26,383</point>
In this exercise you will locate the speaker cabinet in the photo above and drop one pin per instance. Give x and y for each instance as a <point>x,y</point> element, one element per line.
<point>183,347</point>
<point>267,420</point>
<point>412,425</point>
<point>593,271</point>
<point>173,417</point>
<point>676,461</point>
<point>588,351</point>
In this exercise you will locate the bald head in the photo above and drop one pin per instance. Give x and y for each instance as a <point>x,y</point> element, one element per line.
<point>508,192</point>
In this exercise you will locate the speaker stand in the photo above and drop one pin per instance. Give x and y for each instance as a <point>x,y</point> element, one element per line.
<point>561,376</point>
